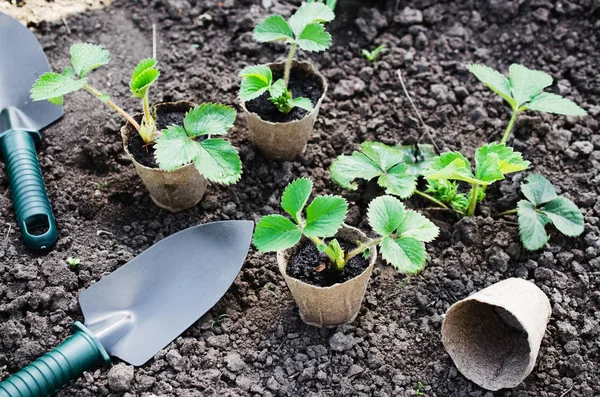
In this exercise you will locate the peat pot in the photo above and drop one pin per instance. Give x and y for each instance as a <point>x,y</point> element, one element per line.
<point>285,140</point>
<point>171,190</point>
<point>334,305</point>
<point>494,335</point>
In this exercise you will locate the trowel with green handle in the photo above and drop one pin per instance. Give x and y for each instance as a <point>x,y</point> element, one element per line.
<point>141,307</point>
<point>22,61</point>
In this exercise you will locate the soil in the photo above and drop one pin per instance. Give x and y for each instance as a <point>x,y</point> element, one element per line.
<point>307,258</point>
<point>302,84</point>
<point>164,117</point>
<point>252,343</point>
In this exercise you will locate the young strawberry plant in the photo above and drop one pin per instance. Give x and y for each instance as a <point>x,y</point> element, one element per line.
<point>542,207</point>
<point>402,233</point>
<point>305,30</point>
<point>523,90</point>
<point>215,158</point>
<point>373,55</point>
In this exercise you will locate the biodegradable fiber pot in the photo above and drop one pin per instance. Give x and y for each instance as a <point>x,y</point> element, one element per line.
<point>284,141</point>
<point>494,336</point>
<point>329,306</point>
<point>171,190</point>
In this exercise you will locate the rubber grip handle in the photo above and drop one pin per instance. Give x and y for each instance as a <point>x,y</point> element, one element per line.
<point>30,200</point>
<point>57,368</point>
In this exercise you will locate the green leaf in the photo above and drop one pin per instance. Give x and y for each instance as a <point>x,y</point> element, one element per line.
<point>532,226</point>
<point>209,119</point>
<point>383,155</point>
<point>302,103</point>
<point>273,28</point>
<point>218,161</point>
<point>174,149</point>
<point>50,86</point>
<point>552,103</point>
<point>487,168</point>
<point>295,197</point>
<point>398,181</point>
<point>447,192</point>
<point>509,160</point>
<point>345,169</point>
<point>104,98</point>
<point>565,216</point>
<point>142,66</point>
<point>406,254</point>
<point>385,214</point>
<point>140,85</point>
<point>417,157</point>
<point>526,83</point>
<point>314,38</point>
<point>335,252</point>
<point>310,13</point>
<point>538,189</point>
<point>58,101</point>
<point>274,233</point>
<point>277,89</point>
<point>451,165</point>
<point>495,80</point>
<point>324,216</point>
<point>86,57</point>
<point>251,88</point>
<point>262,72</point>
<point>417,226</point>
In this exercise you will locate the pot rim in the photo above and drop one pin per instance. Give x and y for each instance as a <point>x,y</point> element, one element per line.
<point>127,129</point>
<point>308,114</point>
<point>363,236</point>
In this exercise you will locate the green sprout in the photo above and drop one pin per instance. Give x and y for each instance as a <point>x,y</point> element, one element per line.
<point>85,58</point>
<point>304,29</point>
<point>523,90</point>
<point>215,158</point>
<point>329,3</point>
<point>73,262</point>
<point>542,207</point>
<point>402,233</point>
<point>218,320</point>
<point>420,390</point>
<point>373,55</point>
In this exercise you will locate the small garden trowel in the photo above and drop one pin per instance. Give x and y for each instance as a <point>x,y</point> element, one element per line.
<point>22,61</point>
<point>141,307</point>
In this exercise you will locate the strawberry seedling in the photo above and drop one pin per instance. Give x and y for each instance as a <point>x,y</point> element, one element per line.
<point>305,30</point>
<point>523,90</point>
<point>402,233</point>
<point>373,55</point>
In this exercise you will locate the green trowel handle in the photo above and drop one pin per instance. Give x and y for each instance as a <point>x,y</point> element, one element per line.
<point>57,368</point>
<point>30,200</point>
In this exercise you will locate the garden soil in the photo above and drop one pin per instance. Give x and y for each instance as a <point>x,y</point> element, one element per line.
<point>253,342</point>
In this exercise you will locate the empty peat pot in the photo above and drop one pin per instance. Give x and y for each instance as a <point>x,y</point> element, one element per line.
<point>286,139</point>
<point>494,335</point>
<point>171,190</point>
<point>334,305</point>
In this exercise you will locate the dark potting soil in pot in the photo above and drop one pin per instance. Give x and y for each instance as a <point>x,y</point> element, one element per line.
<point>307,258</point>
<point>144,154</point>
<point>302,84</point>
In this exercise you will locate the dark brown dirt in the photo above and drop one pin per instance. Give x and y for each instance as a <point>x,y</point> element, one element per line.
<point>307,258</point>
<point>302,84</point>
<point>261,347</point>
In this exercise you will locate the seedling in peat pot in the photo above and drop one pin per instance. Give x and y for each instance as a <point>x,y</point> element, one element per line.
<point>543,206</point>
<point>85,58</point>
<point>215,158</point>
<point>402,233</point>
<point>373,55</point>
<point>523,90</point>
<point>305,30</point>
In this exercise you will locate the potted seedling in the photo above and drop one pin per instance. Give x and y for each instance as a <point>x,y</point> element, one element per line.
<point>327,264</point>
<point>281,100</point>
<point>170,144</point>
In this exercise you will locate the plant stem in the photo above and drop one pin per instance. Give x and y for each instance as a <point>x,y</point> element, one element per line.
<point>509,212</point>
<point>114,106</point>
<point>288,65</point>
<point>471,209</point>
<point>432,199</point>
<point>147,115</point>
<point>510,126</point>
<point>362,247</point>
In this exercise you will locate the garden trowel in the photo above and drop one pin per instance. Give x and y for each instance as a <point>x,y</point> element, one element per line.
<point>141,307</point>
<point>22,61</point>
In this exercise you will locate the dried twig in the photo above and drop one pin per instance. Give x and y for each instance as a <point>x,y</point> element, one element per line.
<point>424,126</point>
<point>5,242</point>
<point>64,21</point>
<point>565,393</point>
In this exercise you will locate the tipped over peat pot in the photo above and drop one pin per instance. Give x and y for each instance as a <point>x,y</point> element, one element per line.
<point>171,190</point>
<point>494,335</point>
<point>282,136</point>
<point>336,303</point>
